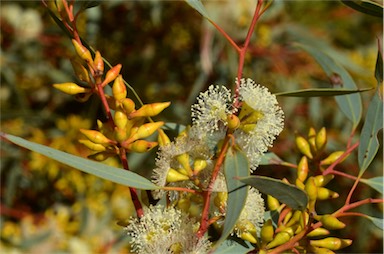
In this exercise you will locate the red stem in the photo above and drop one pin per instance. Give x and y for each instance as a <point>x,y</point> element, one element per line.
<point>345,154</point>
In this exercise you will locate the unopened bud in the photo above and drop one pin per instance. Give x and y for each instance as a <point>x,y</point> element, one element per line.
<point>311,188</point>
<point>295,218</point>
<point>98,63</point>
<point>303,146</point>
<point>332,158</point>
<point>199,165</point>
<point>80,71</point>
<point>318,232</point>
<point>183,159</point>
<point>312,139</point>
<point>174,176</point>
<point>272,203</point>
<point>96,137</point>
<point>141,146</point>
<point>119,90</point>
<point>331,243</point>
<point>163,139</point>
<point>149,110</point>
<point>300,184</point>
<point>267,231</point>
<point>120,134</point>
<point>144,131</point>
<point>321,139</point>
<point>111,74</point>
<point>279,239</point>
<point>324,194</point>
<point>184,204</point>
<point>221,199</point>
<point>92,146</point>
<point>318,250</point>
<point>302,169</point>
<point>331,222</point>
<point>128,105</point>
<point>322,180</point>
<point>101,156</point>
<point>71,88</point>
<point>248,237</point>
<point>120,119</point>
<point>233,122</point>
<point>82,51</point>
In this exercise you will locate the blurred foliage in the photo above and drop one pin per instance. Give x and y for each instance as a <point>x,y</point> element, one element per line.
<point>168,53</point>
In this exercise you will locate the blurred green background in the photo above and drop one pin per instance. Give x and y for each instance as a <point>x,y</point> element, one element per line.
<point>168,53</point>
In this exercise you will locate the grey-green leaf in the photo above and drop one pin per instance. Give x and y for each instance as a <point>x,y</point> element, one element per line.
<point>235,165</point>
<point>270,159</point>
<point>320,92</point>
<point>378,222</point>
<point>379,66</point>
<point>375,182</point>
<point>350,105</point>
<point>198,6</point>
<point>101,170</point>
<point>230,246</point>
<point>369,144</point>
<point>286,193</point>
<point>364,6</point>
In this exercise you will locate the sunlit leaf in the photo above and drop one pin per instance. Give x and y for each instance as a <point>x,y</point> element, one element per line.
<point>378,222</point>
<point>198,6</point>
<point>369,144</point>
<point>375,182</point>
<point>350,105</point>
<point>286,193</point>
<point>101,170</point>
<point>235,166</point>
<point>235,245</point>
<point>319,92</point>
<point>364,6</point>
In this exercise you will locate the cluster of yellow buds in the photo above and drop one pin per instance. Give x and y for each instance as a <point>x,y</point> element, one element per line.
<point>128,128</point>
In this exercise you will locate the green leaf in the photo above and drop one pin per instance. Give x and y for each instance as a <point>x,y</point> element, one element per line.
<point>235,166</point>
<point>320,92</point>
<point>234,245</point>
<point>369,144</point>
<point>378,222</point>
<point>375,182</point>
<point>367,7</point>
<point>350,105</point>
<point>198,6</point>
<point>270,159</point>
<point>379,66</point>
<point>286,193</point>
<point>101,170</point>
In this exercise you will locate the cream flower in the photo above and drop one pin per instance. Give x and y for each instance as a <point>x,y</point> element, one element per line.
<point>165,230</point>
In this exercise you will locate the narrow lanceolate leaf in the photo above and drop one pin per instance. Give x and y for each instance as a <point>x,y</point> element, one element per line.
<point>101,170</point>
<point>321,92</point>
<point>235,166</point>
<point>378,222</point>
<point>369,144</point>
<point>350,104</point>
<point>270,159</point>
<point>198,6</point>
<point>375,182</point>
<point>230,246</point>
<point>286,193</point>
<point>365,6</point>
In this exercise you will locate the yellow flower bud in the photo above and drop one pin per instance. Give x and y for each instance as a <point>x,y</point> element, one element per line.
<point>71,88</point>
<point>331,222</point>
<point>144,131</point>
<point>295,218</point>
<point>82,51</point>
<point>184,204</point>
<point>120,119</point>
<point>300,184</point>
<point>101,156</point>
<point>318,232</point>
<point>331,243</point>
<point>221,199</point>
<point>98,63</point>
<point>318,250</point>
<point>321,139</point>
<point>119,90</point>
<point>311,190</point>
<point>92,146</point>
<point>304,147</point>
<point>174,176</point>
<point>183,159</point>
<point>324,193</point>
<point>248,237</point>
<point>267,231</point>
<point>111,74</point>
<point>287,217</point>
<point>128,105</point>
<point>302,169</point>
<point>96,137</point>
<point>322,180</point>
<point>141,146</point>
<point>80,71</point>
<point>312,139</point>
<point>233,122</point>
<point>120,135</point>
<point>199,165</point>
<point>332,158</point>
<point>272,203</point>
<point>279,239</point>
<point>149,110</point>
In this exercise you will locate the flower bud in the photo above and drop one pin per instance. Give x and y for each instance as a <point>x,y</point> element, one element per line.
<point>119,90</point>
<point>98,63</point>
<point>324,193</point>
<point>80,71</point>
<point>120,119</point>
<point>332,158</point>
<point>331,243</point>
<point>318,232</point>
<point>331,222</point>
<point>300,184</point>
<point>295,218</point>
<point>302,169</point>
<point>101,156</point>
<point>303,146</point>
<point>71,88</point>
<point>144,131</point>
<point>92,146</point>
<point>272,203</point>
<point>120,134</point>
<point>82,51</point>
<point>318,250</point>
<point>141,146</point>
<point>312,139</point>
<point>149,110</point>
<point>287,217</point>
<point>311,188</point>
<point>163,139</point>
<point>96,137</point>
<point>199,165</point>
<point>279,239</point>
<point>174,176</point>
<point>321,139</point>
<point>221,199</point>
<point>128,105</point>
<point>267,231</point>
<point>184,204</point>
<point>248,237</point>
<point>322,180</point>
<point>183,159</point>
<point>233,122</point>
<point>111,74</point>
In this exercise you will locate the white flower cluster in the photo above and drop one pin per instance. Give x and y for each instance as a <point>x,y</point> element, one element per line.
<point>165,230</point>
